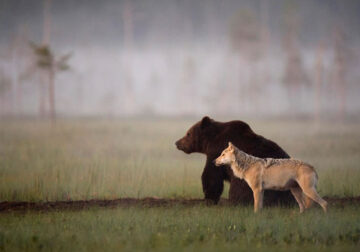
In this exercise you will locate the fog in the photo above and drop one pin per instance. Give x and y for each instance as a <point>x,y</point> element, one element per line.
<point>181,58</point>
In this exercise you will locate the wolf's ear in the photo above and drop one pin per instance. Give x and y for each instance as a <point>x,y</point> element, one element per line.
<point>231,146</point>
<point>205,122</point>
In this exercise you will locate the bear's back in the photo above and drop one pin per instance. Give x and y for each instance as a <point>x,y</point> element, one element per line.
<point>243,137</point>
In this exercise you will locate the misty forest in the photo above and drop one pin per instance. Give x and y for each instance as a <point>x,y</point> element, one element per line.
<point>125,58</point>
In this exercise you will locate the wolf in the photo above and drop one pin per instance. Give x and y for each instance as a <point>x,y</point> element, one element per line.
<point>275,174</point>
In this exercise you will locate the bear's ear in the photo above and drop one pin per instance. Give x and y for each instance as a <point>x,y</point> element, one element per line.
<point>205,122</point>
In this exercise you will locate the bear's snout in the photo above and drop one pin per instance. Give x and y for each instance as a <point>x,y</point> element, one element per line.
<point>177,144</point>
<point>180,145</point>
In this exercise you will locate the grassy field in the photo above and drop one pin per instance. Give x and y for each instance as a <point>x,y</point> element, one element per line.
<point>180,228</point>
<point>108,159</point>
<point>112,159</point>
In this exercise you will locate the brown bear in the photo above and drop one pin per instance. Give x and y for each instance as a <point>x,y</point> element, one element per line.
<point>211,138</point>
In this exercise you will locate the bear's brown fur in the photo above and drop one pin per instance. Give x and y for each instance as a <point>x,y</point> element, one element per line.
<point>211,138</point>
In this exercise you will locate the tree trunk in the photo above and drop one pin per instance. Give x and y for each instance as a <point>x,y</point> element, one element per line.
<point>42,100</point>
<point>14,83</point>
<point>52,96</point>
<point>46,22</point>
<point>42,94</point>
<point>319,76</point>
<point>341,54</point>
<point>341,90</point>
<point>127,60</point>
<point>46,42</point>
<point>127,17</point>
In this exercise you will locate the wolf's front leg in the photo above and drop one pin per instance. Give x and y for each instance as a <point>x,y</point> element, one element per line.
<point>258,199</point>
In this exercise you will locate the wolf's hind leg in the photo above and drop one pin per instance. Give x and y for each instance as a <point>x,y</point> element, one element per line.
<point>297,193</point>
<point>311,193</point>
<point>307,201</point>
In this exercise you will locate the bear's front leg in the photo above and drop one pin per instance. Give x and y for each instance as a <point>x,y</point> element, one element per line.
<point>240,192</point>
<point>212,182</point>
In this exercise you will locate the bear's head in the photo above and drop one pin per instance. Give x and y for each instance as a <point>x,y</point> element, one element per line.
<point>196,137</point>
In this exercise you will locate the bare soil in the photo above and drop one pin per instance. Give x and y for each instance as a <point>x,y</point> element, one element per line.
<point>7,206</point>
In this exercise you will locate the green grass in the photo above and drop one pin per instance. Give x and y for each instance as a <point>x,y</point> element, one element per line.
<point>220,228</point>
<point>137,158</point>
<point>84,159</point>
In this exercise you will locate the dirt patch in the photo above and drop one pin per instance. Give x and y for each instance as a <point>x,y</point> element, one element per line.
<point>342,202</point>
<point>7,206</point>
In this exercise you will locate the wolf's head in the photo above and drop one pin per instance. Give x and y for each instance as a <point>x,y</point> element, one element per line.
<point>227,156</point>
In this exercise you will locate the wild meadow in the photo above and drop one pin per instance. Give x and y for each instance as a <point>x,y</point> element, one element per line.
<point>109,159</point>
